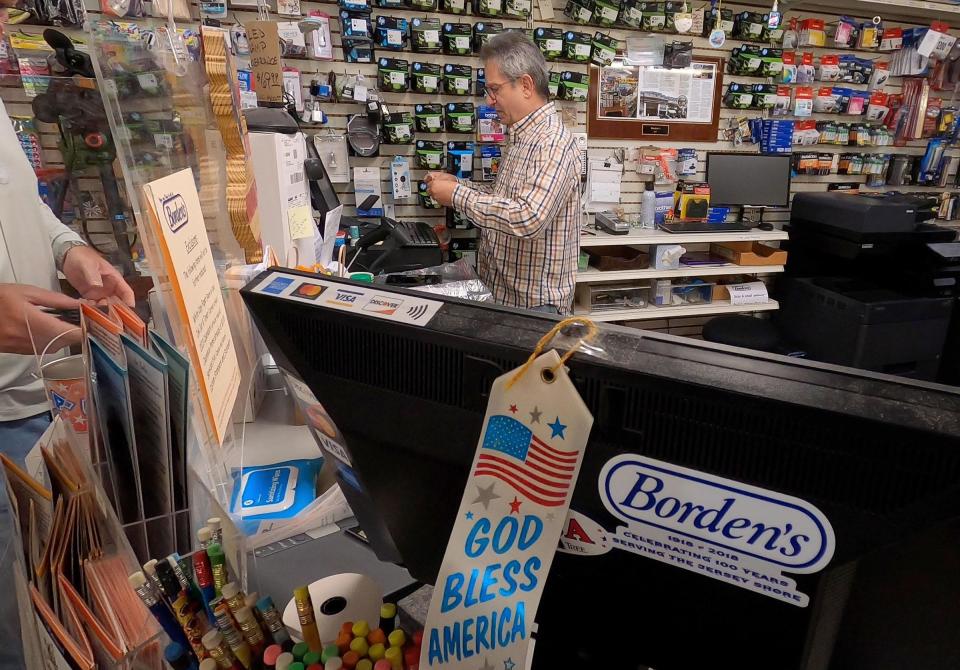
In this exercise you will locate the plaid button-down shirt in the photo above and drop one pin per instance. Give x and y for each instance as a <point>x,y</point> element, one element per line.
<point>529,217</point>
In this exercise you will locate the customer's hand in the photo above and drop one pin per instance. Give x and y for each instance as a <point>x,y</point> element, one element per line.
<point>442,190</point>
<point>93,277</point>
<point>20,303</point>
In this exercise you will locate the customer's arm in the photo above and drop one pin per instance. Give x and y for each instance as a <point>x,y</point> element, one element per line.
<point>86,270</point>
<point>479,187</point>
<point>537,203</point>
<point>61,237</point>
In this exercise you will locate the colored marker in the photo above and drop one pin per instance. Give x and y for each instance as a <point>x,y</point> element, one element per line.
<point>350,660</point>
<point>204,577</point>
<point>308,621</point>
<point>395,656</point>
<point>388,615</point>
<point>150,570</point>
<point>233,596</point>
<point>189,621</point>
<point>204,535</point>
<point>151,598</point>
<point>218,565</point>
<point>236,642</point>
<point>271,618</point>
<point>397,638</point>
<point>284,661</point>
<point>300,649</point>
<point>169,584</point>
<point>361,629</point>
<point>219,651</point>
<point>251,631</point>
<point>179,657</point>
<point>270,655</point>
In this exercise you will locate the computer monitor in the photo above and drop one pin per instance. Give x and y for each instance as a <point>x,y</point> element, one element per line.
<point>744,179</point>
<point>405,376</point>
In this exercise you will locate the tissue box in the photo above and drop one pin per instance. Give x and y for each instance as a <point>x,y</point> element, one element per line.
<point>666,256</point>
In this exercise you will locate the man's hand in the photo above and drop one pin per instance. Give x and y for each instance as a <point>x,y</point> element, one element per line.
<point>94,278</point>
<point>440,186</point>
<point>20,303</point>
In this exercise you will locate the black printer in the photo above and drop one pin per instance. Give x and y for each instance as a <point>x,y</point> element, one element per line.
<point>870,283</point>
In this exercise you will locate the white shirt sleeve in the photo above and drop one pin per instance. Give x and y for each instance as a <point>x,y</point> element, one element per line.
<point>60,235</point>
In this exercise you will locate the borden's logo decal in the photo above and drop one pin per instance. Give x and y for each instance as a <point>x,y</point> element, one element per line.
<point>723,529</point>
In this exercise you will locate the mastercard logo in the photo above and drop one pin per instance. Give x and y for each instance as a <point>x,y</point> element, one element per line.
<point>309,291</point>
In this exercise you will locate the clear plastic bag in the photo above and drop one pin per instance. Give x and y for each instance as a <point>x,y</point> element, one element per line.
<point>457,280</point>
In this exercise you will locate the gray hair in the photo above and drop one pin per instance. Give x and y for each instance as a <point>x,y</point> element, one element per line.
<point>516,55</point>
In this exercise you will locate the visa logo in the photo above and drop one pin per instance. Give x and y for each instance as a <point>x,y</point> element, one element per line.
<point>175,212</point>
<point>769,526</point>
<point>346,298</point>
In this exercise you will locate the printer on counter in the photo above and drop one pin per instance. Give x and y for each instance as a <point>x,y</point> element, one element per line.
<point>870,283</point>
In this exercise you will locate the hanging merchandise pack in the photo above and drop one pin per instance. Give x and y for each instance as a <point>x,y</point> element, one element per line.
<point>577,46</point>
<point>393,33</point>
<point>550,42</point>
<point>425,35</point>
<point>483,31</point>
<point>429,118</point>
<point>429,155</point>
<point>392,75</point>
<point>457,39</point>
<point>574,86</point>
<point>426,77</point>
<point>461,117</point>
<point>457,79</point>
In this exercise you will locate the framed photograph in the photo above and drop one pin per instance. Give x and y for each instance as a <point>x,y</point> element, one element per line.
<point>653,102</point>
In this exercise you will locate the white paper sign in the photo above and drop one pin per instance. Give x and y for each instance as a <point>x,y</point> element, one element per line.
<point>509,522</point>
<point>752,293</point>
<point>178,219</point>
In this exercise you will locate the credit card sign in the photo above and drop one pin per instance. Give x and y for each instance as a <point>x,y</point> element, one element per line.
<point>373,301</point>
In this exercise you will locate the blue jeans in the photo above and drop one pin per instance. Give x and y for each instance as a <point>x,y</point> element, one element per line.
<point>17,438</point>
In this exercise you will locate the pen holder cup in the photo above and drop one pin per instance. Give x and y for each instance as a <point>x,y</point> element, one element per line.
<point>65,384</point>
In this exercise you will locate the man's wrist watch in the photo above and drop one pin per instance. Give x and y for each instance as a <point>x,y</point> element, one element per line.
<point>65,248</point>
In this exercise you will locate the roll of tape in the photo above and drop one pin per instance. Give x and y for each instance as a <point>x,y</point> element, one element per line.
<point>344,597</point>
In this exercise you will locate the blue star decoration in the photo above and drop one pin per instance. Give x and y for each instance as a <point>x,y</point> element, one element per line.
<point>508,664</point>
<point>469,516</point>
<point>557,428</point>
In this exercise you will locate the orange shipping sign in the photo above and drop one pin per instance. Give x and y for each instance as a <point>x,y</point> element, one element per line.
<point>178,223</point>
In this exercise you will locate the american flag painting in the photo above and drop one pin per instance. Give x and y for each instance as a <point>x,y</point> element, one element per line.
<point>513,454</point>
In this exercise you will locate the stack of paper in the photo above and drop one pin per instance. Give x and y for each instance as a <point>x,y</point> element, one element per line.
<point>138,409</point>
<point>75,564</point>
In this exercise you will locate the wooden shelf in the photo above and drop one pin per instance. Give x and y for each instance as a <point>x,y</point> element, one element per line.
<point>594,275</point>
<point>716,307</point>
<point>602,239</point>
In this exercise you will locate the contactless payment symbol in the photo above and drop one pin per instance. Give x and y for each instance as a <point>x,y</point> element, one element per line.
<point>382,304</point>
<point>416,311</point>
<point>277,286</point>
<point>308,291</point>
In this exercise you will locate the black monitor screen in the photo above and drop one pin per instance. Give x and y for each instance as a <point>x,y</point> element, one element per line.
<point>749,179</point>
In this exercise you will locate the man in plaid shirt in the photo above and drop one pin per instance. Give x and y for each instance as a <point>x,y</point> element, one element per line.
<point>529,218</point>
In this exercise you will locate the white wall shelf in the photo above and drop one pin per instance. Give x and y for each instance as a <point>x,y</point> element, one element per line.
<point>652,312</point>
<point>594,276</point>
<point>601,239</point>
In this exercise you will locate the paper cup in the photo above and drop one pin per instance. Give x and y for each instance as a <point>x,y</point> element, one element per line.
<point>65,383</point>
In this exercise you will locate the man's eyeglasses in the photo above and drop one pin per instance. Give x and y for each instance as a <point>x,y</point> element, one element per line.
<point>493,90</point>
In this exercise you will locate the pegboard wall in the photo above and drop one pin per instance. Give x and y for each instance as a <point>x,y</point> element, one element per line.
<point>574,112</point>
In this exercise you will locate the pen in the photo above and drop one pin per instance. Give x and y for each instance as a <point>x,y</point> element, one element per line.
<point>216,531</point>
<point>218,565</point>
<point>158,609</point>
<point>204,577</point>
<point>237,644</point>
<point>190,622</point>
<point>250,630</point>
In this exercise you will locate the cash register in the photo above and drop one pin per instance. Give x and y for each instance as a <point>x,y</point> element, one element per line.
<point>871,282</point>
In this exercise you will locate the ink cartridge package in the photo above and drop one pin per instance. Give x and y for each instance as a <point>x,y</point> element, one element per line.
<point>577,46</point>
<point>483,31</point>
<point>393,75</point>
<point>461,117</point>
<point>425,36</point>
<point>460,159</point>
<point>573,86</point>
<point>398,128</point>
<point>457,39</point>
<point>392,33</point>
<point>428,118</point>
<point>428,154</point>
<point>457,79</point>
<point>426,77</point>
<point>603,49</point>
<point>550,42</point>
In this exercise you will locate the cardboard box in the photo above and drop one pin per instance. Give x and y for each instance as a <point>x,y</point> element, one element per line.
<point>749,253</point>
